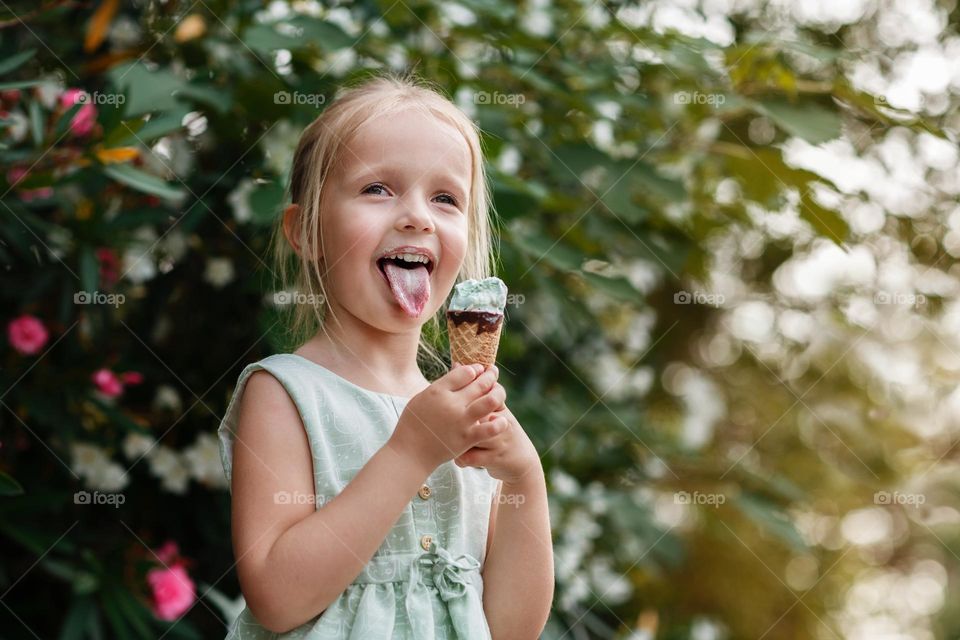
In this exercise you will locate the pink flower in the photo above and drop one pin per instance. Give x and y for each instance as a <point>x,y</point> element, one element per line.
<point>111,385</point>
<point>131,377</point>
<point>16,175</point>
<point>85,118</point>
<point>109,266</point>
<point>173,591</point>
<point>107,383</point>
<point>168,553</point>
<point>27,334</point>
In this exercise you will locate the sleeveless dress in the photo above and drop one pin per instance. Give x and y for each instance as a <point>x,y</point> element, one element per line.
<point>424,581</point>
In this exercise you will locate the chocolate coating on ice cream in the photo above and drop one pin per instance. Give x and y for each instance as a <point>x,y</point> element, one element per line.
<point>486,321</point>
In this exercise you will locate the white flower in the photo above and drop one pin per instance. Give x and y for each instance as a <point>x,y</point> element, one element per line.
<point>279,144</point>
<point>239,200</point>
<point>86,457</point>
<point>203,461</point>
<point>563,483</point>
<point>49,91</point>
<point>167,465</point>
<point>167,398</point>
<point>139,265</point>
<point>124,32</point>
<point>136,445</point>
<point>219,272</point>
<point>109,477</point>
<point>94,465</point>
<point>17,126</point>
<point>609,586</point>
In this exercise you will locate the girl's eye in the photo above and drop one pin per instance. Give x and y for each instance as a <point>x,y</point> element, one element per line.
<point>374,186</point>
<point>453,200</point>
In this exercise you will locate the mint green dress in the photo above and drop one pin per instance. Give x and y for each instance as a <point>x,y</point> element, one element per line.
<point>424,581</point>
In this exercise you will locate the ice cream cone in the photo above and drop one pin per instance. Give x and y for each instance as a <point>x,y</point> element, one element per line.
<point>475,320</point>
<point>474,336</point>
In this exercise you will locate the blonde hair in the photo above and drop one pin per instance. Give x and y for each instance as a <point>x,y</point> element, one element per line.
<point>318,151</point>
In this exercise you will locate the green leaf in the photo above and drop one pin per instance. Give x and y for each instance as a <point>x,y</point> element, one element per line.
<point>618,198</point>
<point>648,179</point>
<point>89,269</point>
<point>826,222</point>
<point>823,54</point>
<point>126,130</point>
<point>762,173</point>
<point>572,160</point>
<point>809,121</point>
<point>160,124</point>
<point>264,38</point>
<point>9,486</point>
<point>144,182</point>
<point>64,122</point>
<point>220,98</point>
<point>115,616</point>
<point>557,253</point>
<point>78,619</point>
<point>21,84</point>
<point>36,123</point>
<point>133,611</point>
<point>515,198</point>
<point>159,90</point>
<point>616,286</point>
<point>326,35</point>
<point>771,518</point>
<point>14,61</point>
<point>265,201</point>
<point>145,90</point>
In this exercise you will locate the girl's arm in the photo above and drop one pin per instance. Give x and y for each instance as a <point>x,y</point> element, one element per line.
<point>294,560</point>
<point>518,572</point>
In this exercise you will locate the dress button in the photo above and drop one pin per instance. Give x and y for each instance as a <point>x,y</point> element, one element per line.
<point>424,492</point>
<point>425,541</point>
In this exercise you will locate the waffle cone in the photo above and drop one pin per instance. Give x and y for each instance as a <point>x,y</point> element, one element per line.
<point>469,346</point>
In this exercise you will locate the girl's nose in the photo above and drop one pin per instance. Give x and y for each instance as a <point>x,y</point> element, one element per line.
<point>415,216</point>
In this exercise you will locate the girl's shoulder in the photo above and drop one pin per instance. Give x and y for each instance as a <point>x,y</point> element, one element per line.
<point>300,375</point>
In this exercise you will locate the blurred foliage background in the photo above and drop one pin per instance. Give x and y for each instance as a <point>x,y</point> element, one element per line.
<point>731,226</point>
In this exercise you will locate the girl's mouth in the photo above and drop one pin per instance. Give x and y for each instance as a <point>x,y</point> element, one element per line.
<point>409,281</point>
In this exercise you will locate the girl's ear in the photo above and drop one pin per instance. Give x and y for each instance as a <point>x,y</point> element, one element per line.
<point>291,225</point>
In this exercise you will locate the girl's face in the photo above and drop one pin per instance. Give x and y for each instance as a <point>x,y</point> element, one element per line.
<point>402,183</point>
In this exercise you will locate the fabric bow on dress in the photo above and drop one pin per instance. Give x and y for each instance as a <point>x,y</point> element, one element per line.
<point>454,579</point>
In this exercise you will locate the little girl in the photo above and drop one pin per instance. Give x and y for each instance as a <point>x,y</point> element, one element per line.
<point>367,501</point>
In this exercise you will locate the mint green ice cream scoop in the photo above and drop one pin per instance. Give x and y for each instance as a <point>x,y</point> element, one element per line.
<point>488,295</point>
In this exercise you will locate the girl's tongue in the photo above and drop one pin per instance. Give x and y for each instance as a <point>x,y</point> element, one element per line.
<point>410,287</point>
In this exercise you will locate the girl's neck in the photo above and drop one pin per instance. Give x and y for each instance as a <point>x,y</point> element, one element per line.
<point>377,360</point>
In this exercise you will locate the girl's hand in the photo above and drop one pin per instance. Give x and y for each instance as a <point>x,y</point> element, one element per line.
<point>443,420</point>
<point>507,456</point>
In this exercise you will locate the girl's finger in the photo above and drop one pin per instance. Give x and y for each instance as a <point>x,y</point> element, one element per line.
<point>461,375</point>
